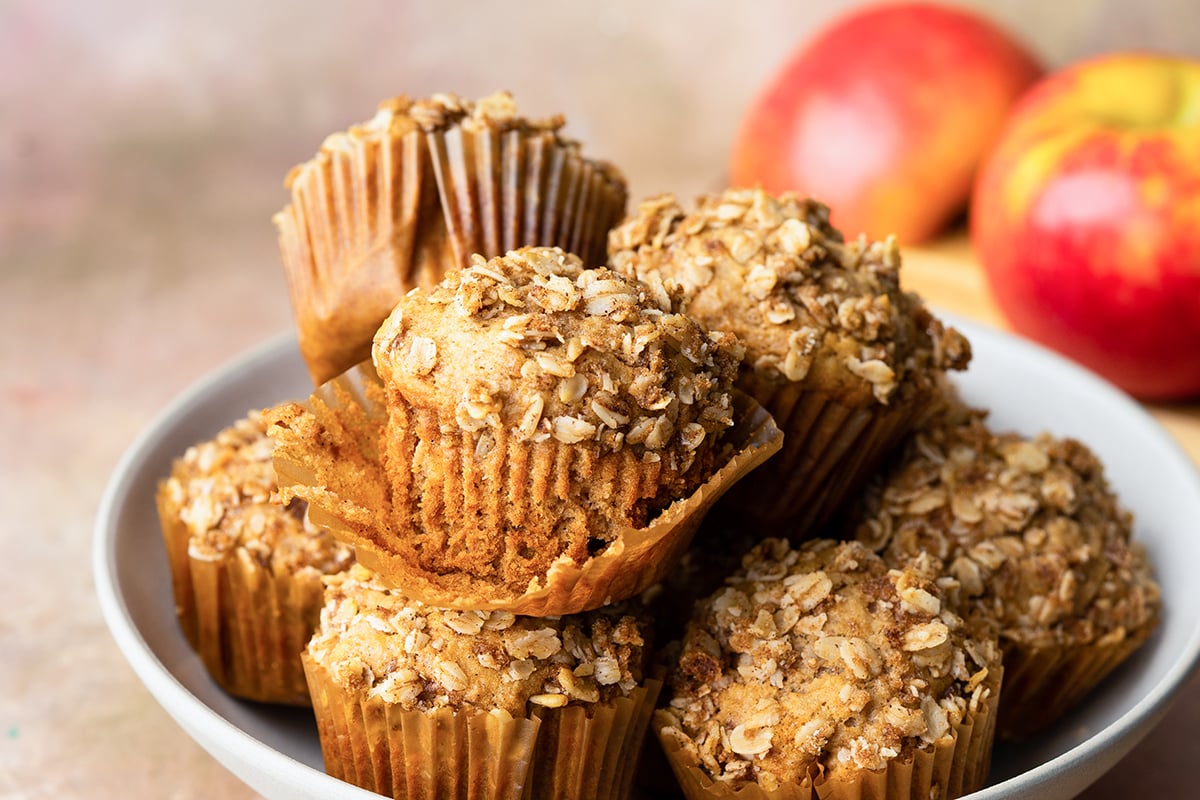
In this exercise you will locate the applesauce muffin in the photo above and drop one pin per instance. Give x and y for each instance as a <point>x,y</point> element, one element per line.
<point>1035,544</point>
<point>506,695</point>
<point>534,418</point>
<point>820,670</point>
<point>835,350</point>
<point>246,571</point>
<point>395,202</point>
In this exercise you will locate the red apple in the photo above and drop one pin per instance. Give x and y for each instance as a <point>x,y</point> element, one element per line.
<point>1087,220</point>
<point>885,117</point>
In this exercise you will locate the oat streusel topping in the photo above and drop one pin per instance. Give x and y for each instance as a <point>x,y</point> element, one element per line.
<point>223,488</point>
<point>821,659</point>
<point>416,656</point>
<point>806,305</point>
<point>533,342</point>
<point>1032,536</point>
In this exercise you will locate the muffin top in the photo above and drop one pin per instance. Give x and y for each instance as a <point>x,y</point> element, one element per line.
<point>373,639</point>
<point>821,659</point>
<point>497,112</point>
<point>223,491</point>
<point>533,342</point>
<point>807,306</point>
<point>1032,537</point>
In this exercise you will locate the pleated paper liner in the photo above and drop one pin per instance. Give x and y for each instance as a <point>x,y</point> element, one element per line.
<point>830,449</point>
<point>328,454</point>
<point>388,207</point>
<point>955,765</point>
<point>248,625</point>
<point>592,752</point>
<point>1041,684</point>
<point>363,227</point>
<point>175,538</point>
<point>478,755</point>
<point>505,189</point>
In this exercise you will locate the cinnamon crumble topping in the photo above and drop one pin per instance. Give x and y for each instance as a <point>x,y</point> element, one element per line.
<point>372,638</point>
<point>806,305</point>
<point>823,659</point>
<point>1032,536</point>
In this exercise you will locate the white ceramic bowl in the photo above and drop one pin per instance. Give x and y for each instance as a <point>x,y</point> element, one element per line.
<point>275,750</point>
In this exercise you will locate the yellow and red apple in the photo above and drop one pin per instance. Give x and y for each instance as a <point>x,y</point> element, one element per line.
<point>885,117</point>
<point>1086,217</point>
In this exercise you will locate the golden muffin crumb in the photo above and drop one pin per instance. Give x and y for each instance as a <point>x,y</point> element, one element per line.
<point>807,306</point>
<point>373,639</point>
<point>821,660</point>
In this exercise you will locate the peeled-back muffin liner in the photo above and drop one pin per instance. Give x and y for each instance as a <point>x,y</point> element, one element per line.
<point>248,625</point>
<point>379,212</point>
<point>348,415</point>
<point>831,447</point>
<point>1041,684</point>
<point>957,764</point>
<point>479,755</point>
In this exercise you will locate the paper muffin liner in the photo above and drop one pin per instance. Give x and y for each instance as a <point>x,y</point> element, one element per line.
<point>175,538</point>
<point>505,189</point>
<point>1041,684</point>
<point>478,755</point>
<point>957,764</point>
<point>248,625</point>
<point>592,752</point>
<point>830,449</point>
<point>347,416</point>
<point>364,226</point>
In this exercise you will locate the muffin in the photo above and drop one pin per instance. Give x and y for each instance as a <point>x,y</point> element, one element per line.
<point>246,571</point>
<point>1035,544</point>
<point>415,701</point>
<point>841,357</point>
<point>820,672</point>
<point>537,417</point>
<point>395,202</point>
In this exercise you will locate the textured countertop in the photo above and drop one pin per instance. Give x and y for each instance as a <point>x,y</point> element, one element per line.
<point>141,155</point>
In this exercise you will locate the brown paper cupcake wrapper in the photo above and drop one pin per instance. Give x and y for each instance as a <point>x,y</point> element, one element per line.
<point>347,415</point>
<point>505,189</point>
<point>364,226</point>
<point>474,755</point>
<point>581,756</point>
<point>247,625</point>
<point>379,213</point>
<point>829,451</point>
<point>957,764</point>
<point>1041,684</point>
<point>175,537</point>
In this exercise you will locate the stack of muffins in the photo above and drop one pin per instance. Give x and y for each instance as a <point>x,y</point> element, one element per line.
<point>521,437</point>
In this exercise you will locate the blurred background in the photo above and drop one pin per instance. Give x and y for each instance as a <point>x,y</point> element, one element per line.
<point>140,140</point>
<point>143,147</point>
